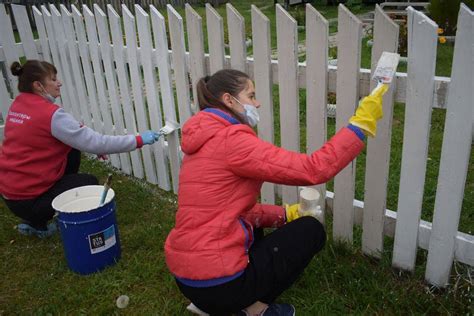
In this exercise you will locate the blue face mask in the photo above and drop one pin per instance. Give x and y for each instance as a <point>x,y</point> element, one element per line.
<point>48,96</point>
<point>250,113</point>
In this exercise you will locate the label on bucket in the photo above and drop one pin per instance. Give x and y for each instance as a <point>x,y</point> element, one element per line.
<point>103,240</point>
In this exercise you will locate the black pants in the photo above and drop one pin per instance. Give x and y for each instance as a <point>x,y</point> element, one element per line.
<point>276,261</point>
<point>38,211</point>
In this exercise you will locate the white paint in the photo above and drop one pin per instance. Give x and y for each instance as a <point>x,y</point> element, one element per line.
<point>81,199</point>
<point>348,50</point>
<point>238,48</point>
<point>378,148</point>
<point>455,153</point>
<point>422,41</point>
<point>263,86</point>
<point>215,39</point>
<point>287,42</point>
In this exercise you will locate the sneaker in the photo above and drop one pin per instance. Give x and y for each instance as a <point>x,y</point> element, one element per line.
<point>274,310</point>
<point>26,229</point>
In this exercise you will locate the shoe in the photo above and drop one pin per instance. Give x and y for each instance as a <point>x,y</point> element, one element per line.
<point>274,310</point>
<point>28,230</point>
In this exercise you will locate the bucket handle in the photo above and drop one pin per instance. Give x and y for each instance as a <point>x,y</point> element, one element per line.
<point>87,221</point>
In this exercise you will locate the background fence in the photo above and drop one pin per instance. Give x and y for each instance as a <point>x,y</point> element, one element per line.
<point>130,72</point>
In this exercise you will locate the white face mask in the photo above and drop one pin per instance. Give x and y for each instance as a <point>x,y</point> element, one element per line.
<point>48,96</point>
<point>250,113</point>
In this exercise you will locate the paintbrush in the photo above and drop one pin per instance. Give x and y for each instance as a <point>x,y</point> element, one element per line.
<point>106,189</point>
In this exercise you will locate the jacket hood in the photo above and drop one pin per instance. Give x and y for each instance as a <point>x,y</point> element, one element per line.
<point>199,129</point>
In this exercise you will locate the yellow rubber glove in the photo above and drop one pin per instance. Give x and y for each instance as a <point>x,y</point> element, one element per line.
<point>370,111</point>
<point>292,212</point>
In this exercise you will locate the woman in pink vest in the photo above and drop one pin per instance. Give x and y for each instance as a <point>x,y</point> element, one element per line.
<point>41,150</point>
<point>217,251</point>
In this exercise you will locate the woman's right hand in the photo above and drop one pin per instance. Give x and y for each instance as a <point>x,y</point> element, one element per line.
<point>370,111</point>
<point>149,137</point>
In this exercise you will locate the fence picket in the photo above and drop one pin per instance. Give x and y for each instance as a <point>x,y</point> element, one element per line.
<point>110,73</point>
<point>454,156</point>
<point>153,101</point>
<point>422,41</point>
<point>215,39</point>
<point>43,37</point>
<point>263,86</point>
<point>77,73</point>
<point>196,50</point>
<point>53,45</point>
<point>164,69</point>
<point>317,30</point>
<point>87,67</point>
<point>179,63</point>
<point>24,29</point>
<point>132,49</point>
<point>5,101</point>
<point>68,91</point>
<point>99,77</point>
<point>236,31</point>
<point>124,86</point>
<point>378,148</point>
<point>349,37</point>
<point>7,41</point>
<point>287,41</point>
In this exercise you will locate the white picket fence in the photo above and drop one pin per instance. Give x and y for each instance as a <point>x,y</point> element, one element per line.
<point>117,86</point>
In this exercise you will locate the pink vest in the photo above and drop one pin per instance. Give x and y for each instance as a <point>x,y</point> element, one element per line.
<point>31,159</point>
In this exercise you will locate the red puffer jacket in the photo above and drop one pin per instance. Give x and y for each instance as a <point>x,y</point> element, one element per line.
<point>221,176</point>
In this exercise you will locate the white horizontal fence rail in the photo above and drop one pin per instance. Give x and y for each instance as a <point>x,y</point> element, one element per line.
<point>125,74</point>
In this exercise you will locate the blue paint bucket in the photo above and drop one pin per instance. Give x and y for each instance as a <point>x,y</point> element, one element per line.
<point>89,231</point>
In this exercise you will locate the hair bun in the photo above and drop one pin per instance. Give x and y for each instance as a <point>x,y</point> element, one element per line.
<point>16,69</point>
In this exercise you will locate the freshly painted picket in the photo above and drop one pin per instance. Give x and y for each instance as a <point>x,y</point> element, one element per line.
<point>24,29</point>
<point>163,62</point>
<point>75,62</point>
<point>179,63</point>
<point>455,154</point>
<point>238,48</point>
<point>99,77</point>
<point>135,78</point>
<point>117,89</point>
<point>262,74</point>
<point>215,39</point>
<point>7,41</point>
<point>153,101</point>
<point>97,122</point>
<point>378,149</point>
<point>287,44</point>
<point>422,42</point>
<point>110,74</point>
<point>45,52</point>
<point>68,91</point>
<point>317,32</point>
<point>124,87</point>
<point>197,65</point>
<point>349,38</point>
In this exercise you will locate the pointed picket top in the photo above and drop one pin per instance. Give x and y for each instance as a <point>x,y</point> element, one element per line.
<point>422,45</point>
<point>236,31</point>
<point>454,163</point>
<point>287,44</point>
<point>197,63</point>
<point>215,39</point>
<point>24,29</point>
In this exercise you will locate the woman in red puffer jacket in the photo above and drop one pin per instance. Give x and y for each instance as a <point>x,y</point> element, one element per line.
<point>217,251</point>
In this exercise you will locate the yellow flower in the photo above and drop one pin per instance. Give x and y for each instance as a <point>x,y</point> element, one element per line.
<point>442,39</point>
<point>440,30</point>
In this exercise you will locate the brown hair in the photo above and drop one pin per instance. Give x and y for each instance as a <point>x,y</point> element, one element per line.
<point>31,71</point>
<point>211,88</point>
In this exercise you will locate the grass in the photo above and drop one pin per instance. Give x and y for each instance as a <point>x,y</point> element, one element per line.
<point>340,280</point>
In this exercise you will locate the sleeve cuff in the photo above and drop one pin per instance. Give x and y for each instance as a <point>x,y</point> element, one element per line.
<point>357,131</point>
<point>139,141</point>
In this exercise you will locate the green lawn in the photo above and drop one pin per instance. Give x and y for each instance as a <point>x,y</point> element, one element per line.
<point>340,280</point>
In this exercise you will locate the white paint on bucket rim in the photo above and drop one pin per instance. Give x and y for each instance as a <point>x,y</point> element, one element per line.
<point>81,199</point>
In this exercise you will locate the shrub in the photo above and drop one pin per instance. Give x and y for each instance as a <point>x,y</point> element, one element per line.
<point>445,13</point>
